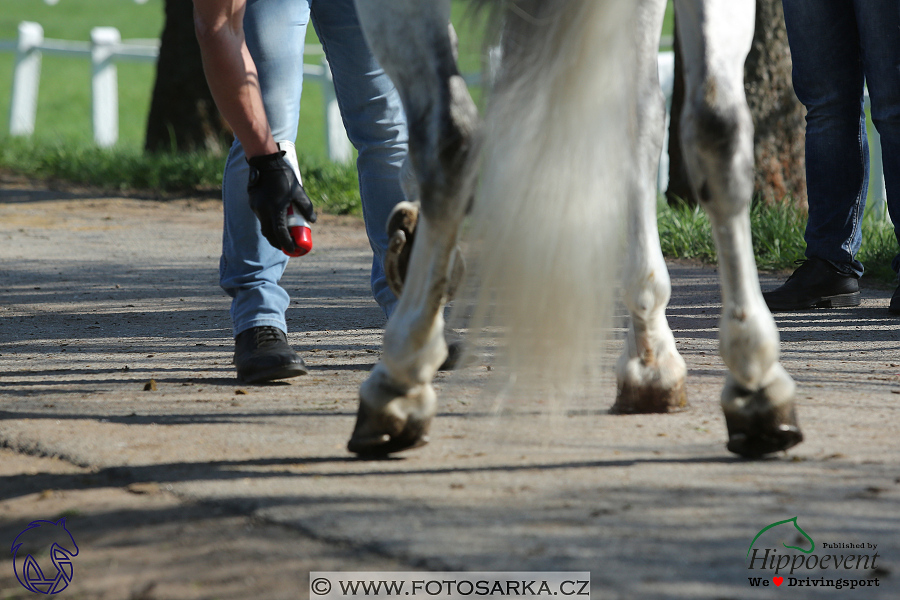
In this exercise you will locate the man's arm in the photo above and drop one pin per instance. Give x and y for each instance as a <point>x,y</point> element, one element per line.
<point>231,73</point>
<point>234,83</point>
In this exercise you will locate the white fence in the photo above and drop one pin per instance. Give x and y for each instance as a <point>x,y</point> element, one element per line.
<point>106,48</point>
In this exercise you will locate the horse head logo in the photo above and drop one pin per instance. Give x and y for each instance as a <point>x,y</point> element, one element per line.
<point>42,537</point>
<point>796,526</point>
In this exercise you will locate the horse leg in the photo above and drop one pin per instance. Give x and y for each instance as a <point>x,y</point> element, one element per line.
<point>650,372</point>
<point>758,398</point>
<point>411,40</point>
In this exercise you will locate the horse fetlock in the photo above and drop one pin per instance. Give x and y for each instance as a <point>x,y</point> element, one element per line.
<point>761,421</point>
<point>749,346</point>
<point>391,419</point>
<point>651,383</point>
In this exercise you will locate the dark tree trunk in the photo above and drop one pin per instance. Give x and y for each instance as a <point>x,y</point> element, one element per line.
<point>183,115</point>
<point>778,117</point>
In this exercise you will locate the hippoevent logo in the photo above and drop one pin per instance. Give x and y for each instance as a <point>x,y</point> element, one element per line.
<point>804,567</point>
<point>40,537</point>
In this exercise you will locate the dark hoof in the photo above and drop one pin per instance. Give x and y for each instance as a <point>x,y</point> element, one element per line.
<point>457,356</point>
<point>633,400</point>
<point>758,429</point>
<point>377,435</point>
<point>401,230</point>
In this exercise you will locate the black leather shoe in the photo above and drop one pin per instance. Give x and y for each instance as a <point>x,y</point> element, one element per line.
<point>815,284</point>
<point>262,354</point>
<point>894,308</point>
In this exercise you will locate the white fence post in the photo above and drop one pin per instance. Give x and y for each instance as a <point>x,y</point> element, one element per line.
<point>26,79</point>
<point>104,85</point>
<point>339,147</point>
<point>877,188</point>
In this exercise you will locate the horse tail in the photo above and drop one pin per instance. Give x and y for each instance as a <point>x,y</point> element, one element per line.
<point>548,221</point>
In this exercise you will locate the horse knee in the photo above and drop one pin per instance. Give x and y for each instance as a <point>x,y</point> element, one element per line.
<point>718,145</point>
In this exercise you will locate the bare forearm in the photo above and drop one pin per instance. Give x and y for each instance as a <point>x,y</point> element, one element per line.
<point>231,73</point>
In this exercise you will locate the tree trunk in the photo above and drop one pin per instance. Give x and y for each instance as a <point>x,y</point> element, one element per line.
<point>778,117</point>
<point>183,115</point>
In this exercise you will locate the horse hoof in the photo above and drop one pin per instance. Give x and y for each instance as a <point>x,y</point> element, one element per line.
<point>634,400</point>
<point>401,229</point>
<point>371,438</point>
<point>388,422</point>
<point>650,386</point>
<point>757,426</point>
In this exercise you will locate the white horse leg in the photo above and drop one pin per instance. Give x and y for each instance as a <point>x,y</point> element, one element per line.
<point>410,38</point>
<point>718,146</point>
<point>650,372</point>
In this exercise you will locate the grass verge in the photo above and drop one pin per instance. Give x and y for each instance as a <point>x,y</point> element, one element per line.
<point>332,186</point>
<point>777,234</point>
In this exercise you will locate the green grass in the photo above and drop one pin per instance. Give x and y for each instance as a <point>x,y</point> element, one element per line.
<point>777,234</point>
<point>332,186</point>
<point>64,98</point>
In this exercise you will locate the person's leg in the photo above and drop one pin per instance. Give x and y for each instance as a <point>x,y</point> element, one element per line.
<point>879,32</point>
<point>828,80</point>
<point>375,123</point>
<point>250,267</point>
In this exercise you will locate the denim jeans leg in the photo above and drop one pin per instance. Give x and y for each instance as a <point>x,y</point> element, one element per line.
<point>879,27</point>
<point>828,80</point>
<point>250,267</point>
<point>376,125</point>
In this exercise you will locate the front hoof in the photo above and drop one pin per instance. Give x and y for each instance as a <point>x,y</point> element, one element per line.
<point>757,426</point>
<point>389,420</point>
<point>371,438</point>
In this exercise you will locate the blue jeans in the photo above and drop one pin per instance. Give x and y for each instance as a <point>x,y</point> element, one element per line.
<point>250,267</point>
<point>837,46</point>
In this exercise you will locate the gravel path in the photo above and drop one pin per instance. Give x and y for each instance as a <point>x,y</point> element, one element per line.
<point>207,488</point>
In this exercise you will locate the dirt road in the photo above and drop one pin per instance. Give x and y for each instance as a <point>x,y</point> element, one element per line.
<point>207,488</point>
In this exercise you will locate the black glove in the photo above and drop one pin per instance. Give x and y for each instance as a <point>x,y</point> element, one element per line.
<point>272,188</point>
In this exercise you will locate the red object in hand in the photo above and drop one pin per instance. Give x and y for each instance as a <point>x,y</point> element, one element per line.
<point>300,233</point>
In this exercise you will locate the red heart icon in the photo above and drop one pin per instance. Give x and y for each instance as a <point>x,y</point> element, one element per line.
<point>778,580</point>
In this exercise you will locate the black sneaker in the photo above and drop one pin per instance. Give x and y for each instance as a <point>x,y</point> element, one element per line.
<point>894,308</point>
<point>815,284</point>
<point>262,354</point>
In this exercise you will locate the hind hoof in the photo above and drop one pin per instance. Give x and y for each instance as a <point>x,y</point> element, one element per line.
<point>653,383</point>
<point>401,230</point>
<point>633,400</point>
<point>757,424</point>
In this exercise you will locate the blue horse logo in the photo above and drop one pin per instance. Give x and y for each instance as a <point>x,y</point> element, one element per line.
<point>62,548</point>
